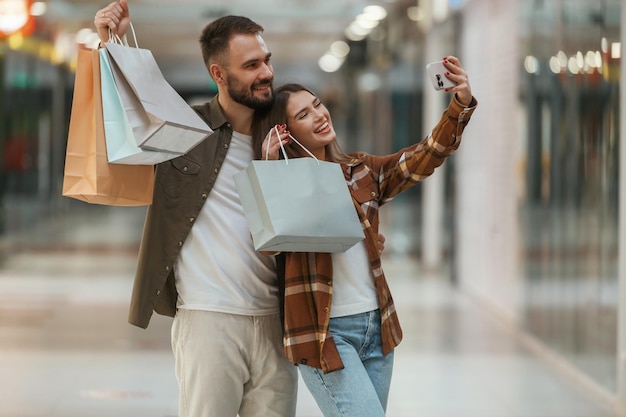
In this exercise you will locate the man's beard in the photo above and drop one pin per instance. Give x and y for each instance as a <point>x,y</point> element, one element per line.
<point>244,95</point>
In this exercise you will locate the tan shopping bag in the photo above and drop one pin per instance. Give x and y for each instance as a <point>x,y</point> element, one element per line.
<point>88,175</point>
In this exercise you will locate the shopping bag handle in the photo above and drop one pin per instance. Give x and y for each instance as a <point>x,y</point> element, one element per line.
<point>282,147</point>
<point>124,40</point>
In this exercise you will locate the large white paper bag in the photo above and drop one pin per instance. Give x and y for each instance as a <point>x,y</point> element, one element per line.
<point>300,205</point>
<point>121,145</point>
<point>160,117</point>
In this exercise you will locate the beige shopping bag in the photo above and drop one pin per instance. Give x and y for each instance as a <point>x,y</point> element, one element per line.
<point>88,176</point>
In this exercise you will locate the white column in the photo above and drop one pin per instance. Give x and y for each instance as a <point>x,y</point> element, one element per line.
<point>433,187</point>
<point>621,322</point>
<point>487,182</point>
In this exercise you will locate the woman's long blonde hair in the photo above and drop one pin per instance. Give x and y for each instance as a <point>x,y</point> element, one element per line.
<point>277,115</point>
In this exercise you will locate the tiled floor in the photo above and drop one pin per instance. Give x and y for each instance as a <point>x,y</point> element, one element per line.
<point>67,351</point>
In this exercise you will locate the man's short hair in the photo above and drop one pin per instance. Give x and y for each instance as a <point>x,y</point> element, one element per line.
<point>217,34</point>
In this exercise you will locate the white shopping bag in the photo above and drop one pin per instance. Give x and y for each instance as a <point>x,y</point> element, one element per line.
<point>163,121</point>
<point>298,205</point>
<point>120,140</point>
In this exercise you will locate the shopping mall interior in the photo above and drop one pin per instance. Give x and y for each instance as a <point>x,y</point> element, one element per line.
<point>505,265</point>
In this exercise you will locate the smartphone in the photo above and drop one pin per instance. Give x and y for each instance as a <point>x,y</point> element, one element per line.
<point>437,74</point>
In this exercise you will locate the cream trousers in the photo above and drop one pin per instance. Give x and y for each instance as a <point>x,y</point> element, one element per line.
<point>229,365</point>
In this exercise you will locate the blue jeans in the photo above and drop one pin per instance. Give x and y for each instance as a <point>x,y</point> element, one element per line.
<point>360,389</point>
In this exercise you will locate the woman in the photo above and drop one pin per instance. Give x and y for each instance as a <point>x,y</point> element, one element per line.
<point>340,324</point>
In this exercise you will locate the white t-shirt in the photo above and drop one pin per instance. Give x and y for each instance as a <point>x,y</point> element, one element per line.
<point>218,268</point>
<point>354,291</point>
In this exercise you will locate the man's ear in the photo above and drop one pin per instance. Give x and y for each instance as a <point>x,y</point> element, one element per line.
<point>217,74</point>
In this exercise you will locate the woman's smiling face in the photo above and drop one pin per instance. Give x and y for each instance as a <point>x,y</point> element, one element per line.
<point>308,120</point>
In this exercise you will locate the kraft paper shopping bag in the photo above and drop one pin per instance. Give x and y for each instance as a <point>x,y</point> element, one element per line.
<point>120,140</point>
<point>300,206</point>
<point>160,117</point>
<point>88,176</point>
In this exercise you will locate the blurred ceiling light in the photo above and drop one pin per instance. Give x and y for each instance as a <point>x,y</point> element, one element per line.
<point>340,49</point>
<point>14,15</point>
<point>562,57</point>
<point>16,41</point>
<point>375,12</point>
<point>93,41</point>
<point>604,45</point>
<point>555,65</point>
<point>531,65</point>
<point>440,10</point>
<point>83,36</point>
<point>598,59</point>
<point>592,60</point>
<point>87,37</point>
<point>580,60</point>
<point>369,82</point>
<point>38,8</point>
<point>351,35</point>
<point>572,66</point>
<point>415,13</point>
<point>330,63</point>
<point>366,21</point>
<point>359,30</point>
<point>64,46</point>
<point>616,50</point>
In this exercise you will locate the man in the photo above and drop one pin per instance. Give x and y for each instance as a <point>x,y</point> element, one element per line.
<point>197,262</point>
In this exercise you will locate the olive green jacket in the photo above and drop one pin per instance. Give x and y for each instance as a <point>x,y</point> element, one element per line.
<point>181,188</point>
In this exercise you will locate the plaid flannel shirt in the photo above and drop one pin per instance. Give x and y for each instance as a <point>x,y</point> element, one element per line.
<point>306,278</point>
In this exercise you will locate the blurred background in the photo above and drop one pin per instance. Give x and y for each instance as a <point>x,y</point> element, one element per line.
<point>522,222</point>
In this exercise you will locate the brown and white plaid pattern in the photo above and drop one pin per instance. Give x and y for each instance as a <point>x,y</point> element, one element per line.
<point>307,277</point>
